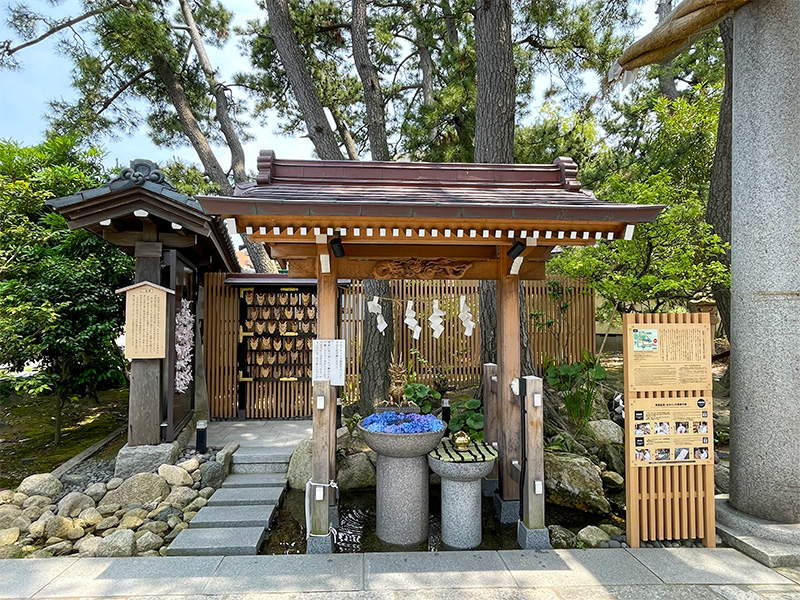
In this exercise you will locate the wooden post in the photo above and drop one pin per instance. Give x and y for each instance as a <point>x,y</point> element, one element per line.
<point>144,403</point>
<point>490,410</point>
<point>533,505</point>
<point>327,304</point>
<point>320,458</point>
<point>508,368</point>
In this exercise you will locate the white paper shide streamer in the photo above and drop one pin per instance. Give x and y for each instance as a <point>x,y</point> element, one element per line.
<point>436,320</point>
<point>411,320</point>
<point>465,315</point>
<point>374,306</point>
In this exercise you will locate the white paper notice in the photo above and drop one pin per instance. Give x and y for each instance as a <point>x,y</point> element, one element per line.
<point>328,361</point>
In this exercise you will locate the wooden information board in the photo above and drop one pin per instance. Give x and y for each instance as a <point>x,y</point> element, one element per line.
<point>145,320</point>
<point>669,437</point>
<point>329,361</point>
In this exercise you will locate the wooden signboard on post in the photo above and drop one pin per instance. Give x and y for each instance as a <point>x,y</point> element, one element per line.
<point>669,448</point>
<point>145,320</point>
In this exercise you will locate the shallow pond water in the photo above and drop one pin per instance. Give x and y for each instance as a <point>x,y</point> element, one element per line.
<point>357,526</point>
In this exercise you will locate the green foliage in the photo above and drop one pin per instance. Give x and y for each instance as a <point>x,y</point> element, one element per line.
<point>421,395</point>
<point>560,443</point>
<point>57,302</point>
<point>576,383</point>
<point>467,416</point>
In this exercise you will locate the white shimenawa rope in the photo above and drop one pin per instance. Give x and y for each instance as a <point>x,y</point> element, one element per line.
<point>309,500</point>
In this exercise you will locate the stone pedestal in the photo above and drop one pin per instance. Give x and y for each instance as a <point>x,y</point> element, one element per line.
<point>765,287</point>
<point>461,500</point>
<point>402,484</point>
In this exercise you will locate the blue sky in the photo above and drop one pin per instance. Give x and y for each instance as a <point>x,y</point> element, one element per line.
<point>45,75</point>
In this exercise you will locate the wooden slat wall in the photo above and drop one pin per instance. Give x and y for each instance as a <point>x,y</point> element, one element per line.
<point>578,322</point>
<point>457,354</point>
<point>670,502</point>
<point>221,331</point>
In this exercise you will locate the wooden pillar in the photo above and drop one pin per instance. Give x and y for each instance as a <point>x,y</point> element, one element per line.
<point>490,409</point>
<point>327,312</point>
<point>144,402</point>
<point>320,459</point>
<point>508,368</point>
<point>533,494</point>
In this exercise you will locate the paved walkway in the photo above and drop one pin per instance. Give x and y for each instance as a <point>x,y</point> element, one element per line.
<point>275,435</point>
<point>651,574</point>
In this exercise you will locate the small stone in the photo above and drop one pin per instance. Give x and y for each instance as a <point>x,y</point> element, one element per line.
<point>36,530</point>
<point>41,484</point>
<point>592,536</point>
<point>107,523</point>
<point>33,512</point>
<point>687,543</point>
<point>74,479</point>
<point>43,553</point>
<point>149,541</point>
<point>189,515</point>
<point>114,483</point>
<point>111,531</point>
<point>162,551</point>
<point>140,488</point>
<point>96,491</point>
<point>207,492</point>
<point>197,476</point>
<point>174,533</point>
<point>611,530</point>
<point>19,499</point>
<point>6,496</point>
<point>561,537</point>
<point>8,512</point>
<point>213,474</point>
<point>603,545</point>
<point>157,527</point>
<point>606,432</point>
<point>130,522</point>
<point>88,546</point>
<point>120,513</point>
<point>10,551</point>
<point>9,536</point>
<point>73,503</point>
<point>120,543</point>
<point>612,480</point>
<point>624,544</point>
<point>173,521</point>
<point>614,544</point>
<point>108,509</point>
<point>189,465</point>
<point>53,540</point>
<point>22,523</point>
<point>180,497</point>
<point>165,513</point>
<point>175,476</point>
<point>91,516</point>
<point>196,504</point>
<point>58,527</point>
<point>60,548</point>
<point>75,533</point>
<point>139,513</point>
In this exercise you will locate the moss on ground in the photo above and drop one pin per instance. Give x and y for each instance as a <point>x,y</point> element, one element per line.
<point>26,431</point>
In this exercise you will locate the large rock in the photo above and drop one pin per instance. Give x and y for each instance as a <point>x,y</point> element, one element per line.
<point>8,512</point>
<point>212,474</point>
<point>300,466</point>
<point>612,480</point>
<point>96,491</point>
<point>592,536</point>
<point>356,473</point>
<point>42,484</point>
<point>91,516</point>
<point>58,527</point>
<point>181,497</point>
<point>132,460</point>
<point>175,476</point>
<point>149,541</point>
<point>561,537</point>
<point>73,504</point>
<point>722,478</point>
<point>120,543</point>
<point>37,501</point>
<point>606,432</point>
<point>9,536</point>
<point>190,465</point>
<point>573,481</point>
<point>141,489</point>
<point>613,456</point>
<point>225,456</point>
<point>88,546</point>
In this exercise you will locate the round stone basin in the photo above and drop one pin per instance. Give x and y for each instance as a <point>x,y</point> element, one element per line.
<point>460,471</point>
<point>401,445</point>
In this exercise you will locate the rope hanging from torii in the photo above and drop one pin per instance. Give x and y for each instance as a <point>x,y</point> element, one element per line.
<point>688,22</point>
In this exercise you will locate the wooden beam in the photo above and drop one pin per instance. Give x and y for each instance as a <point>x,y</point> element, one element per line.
<point>131,238</point>
<point>349,268</point>
<point>388,251</point>
<point>508,368</point>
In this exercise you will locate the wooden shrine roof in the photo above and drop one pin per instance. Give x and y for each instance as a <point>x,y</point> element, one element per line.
<point>417,220</point>
<point>139,198</point>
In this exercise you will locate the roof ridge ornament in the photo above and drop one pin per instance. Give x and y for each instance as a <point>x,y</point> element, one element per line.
<point>569,173</point>
<point>264,163</point>
<point>141,171</point>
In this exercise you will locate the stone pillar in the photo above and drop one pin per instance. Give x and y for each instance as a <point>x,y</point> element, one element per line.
<point>765,223</point>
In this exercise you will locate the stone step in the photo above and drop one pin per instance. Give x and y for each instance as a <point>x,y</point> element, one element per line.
<point>246,496</point>
<point>767,552</point>
<point>259,467</point>
<point>233,516</point>
<point>260,455</point>
<point>218,541</point>
<point>249,480</point>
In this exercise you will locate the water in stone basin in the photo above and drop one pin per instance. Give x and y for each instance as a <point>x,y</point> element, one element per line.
<point>357,529</point>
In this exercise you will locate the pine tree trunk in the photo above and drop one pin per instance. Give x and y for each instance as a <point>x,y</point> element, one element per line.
<point>719,197</point>
<point>376,354</point>
<point>319,131</point>
<point>666,74</point>
<point>495,102</point>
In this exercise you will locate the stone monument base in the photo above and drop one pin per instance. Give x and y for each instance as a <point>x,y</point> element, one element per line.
<point>488,487</point>
<point>144,459</point>
<point>320,544</point>
<point>507,511</point>
<point>770,543</point>
<point>532,539</point>
<point>333,516</point>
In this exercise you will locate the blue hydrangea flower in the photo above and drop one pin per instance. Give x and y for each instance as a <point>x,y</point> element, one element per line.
<point>394,422</point>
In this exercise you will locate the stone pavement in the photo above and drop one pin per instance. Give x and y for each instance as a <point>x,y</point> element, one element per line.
<point>647,574</point>
<point>273,434</point>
